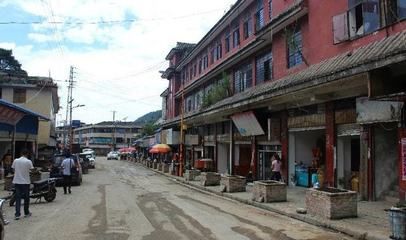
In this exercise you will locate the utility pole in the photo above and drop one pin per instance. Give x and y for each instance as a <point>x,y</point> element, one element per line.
<point>69,109</point>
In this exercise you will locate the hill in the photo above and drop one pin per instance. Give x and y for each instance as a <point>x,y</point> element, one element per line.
<point>151,117</point>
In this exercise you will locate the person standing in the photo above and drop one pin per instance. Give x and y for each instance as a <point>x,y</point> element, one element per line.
<point>7,161</point>
<point>276,167</point>
<point>21,181</point>
<point>67,165</point>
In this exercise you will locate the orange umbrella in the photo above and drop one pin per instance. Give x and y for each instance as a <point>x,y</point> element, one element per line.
<point>160,148</point>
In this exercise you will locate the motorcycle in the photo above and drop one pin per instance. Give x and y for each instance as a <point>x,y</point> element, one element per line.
<point>43,188</point>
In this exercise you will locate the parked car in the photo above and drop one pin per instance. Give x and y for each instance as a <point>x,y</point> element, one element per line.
<point>56,170</point>
<point>90,154</point>
<point>113,155</point>
<point>84,162</point>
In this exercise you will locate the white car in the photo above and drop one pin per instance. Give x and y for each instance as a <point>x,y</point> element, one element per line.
<point>91,156</point>
<point>113,155</point>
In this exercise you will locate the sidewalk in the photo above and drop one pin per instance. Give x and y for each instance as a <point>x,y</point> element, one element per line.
<point>372,221</point>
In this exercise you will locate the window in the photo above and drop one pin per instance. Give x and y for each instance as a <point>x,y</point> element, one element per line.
<point>227,42</point>
<point>19,95</point>
<point>364,18</point>
<point>236,36</point>
<point>243,78</point>
<point>396,10</point>
<point>264,68</point>
<point>190,73</point>
<point>294,45</point>
<point>259,16</point>
<point>212,53</point>
<point>218,51</point>
<point>1,92</point>
<point>200,65</point>
<point>247,27</point>
<point>270,8</point>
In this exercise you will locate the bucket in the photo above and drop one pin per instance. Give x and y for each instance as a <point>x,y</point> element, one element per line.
<point>397,222</point>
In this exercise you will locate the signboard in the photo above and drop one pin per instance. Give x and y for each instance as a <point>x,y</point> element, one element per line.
<point>168,136</point>
<point>403,156</point>
<point>377,111</point>
<point>192,139</point>
<point>247,124</point>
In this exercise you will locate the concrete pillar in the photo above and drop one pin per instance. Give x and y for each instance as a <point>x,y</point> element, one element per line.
<point>402,167</point>
<point>330,144</point>
<point>285,145</point>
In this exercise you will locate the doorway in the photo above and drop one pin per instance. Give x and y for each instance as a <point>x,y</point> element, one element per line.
<point>348,161</point>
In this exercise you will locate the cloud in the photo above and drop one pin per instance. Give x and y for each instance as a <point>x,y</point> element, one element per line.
<point>117,64</point>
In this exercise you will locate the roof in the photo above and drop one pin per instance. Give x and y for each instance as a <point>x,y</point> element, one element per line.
<point>366,58</point>
<point>180,46</point>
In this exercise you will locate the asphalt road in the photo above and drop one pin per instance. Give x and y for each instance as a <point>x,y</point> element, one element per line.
<point>121,200</point>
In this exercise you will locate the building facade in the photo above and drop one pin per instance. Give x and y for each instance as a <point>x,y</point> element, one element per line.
<point>40,95</point>
<point>106,136</point>
<point>320,83</point>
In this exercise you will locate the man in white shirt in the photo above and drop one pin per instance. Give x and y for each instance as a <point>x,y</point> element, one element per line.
<point>67,165</point>
<point>22,181</point>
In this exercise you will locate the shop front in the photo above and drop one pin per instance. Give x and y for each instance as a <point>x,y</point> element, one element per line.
<point>307,146</point>
<point>348,152</point>
<point>264,162</point>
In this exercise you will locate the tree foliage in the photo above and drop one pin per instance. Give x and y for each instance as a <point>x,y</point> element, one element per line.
<point>9,64</point>
<point>219,91</point>
<point>149,129</point>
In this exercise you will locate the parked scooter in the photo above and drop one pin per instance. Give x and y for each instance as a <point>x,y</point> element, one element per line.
<point>43,188</point>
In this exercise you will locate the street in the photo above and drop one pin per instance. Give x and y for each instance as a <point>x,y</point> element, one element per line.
<point>122,200</point>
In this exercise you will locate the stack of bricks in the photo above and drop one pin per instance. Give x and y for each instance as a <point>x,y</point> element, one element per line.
<point>210,179</point>
<point>233,183</point>
<point>331,204</point>
<point>269,191</point>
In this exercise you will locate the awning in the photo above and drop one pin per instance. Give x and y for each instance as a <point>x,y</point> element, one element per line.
<point>247,124</point>
<point>24,120</point>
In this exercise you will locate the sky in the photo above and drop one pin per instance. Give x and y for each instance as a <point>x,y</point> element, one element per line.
<point>117,48</point>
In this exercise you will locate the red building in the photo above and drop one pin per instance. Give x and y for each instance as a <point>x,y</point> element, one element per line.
<point>321,83</point>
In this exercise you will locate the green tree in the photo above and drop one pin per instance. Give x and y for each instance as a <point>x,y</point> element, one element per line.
<point>149,129</point>
<point>9,64</point>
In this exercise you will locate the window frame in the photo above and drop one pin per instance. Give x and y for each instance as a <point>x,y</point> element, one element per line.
<point>294,36</point>
<point>20,98</point>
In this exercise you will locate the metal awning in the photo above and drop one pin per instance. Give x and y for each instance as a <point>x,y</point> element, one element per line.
<point>19,118</point>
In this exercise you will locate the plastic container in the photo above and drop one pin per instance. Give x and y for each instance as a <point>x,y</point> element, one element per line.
<point>397,222</point>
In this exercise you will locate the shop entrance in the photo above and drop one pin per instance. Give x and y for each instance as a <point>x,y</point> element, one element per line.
<point>243,160</point>
<point>265,153</point>
<point>386,161</point>
<point>223,156</point>
<point>306,156</point>
<point>348,162</point>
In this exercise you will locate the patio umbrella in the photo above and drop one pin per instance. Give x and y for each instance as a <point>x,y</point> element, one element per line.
<point>160,148</point>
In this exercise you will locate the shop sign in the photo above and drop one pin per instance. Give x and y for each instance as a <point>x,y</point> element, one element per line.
<point>168,136</point>
<point>403,156</point>
<point>247,124</point>
<point>377,111</point>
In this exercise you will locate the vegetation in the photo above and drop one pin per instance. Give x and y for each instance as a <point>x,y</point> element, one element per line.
<point>150,117</point>
<point>9,64</point>
<point>220,91</point>
<point>149,129</point>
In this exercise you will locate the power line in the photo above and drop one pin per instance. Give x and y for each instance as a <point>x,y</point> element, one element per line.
<point>107,22</point>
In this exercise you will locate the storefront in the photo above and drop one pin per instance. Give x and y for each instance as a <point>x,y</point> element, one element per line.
<point>348,152</point>
<point>264,163</point>
<point>381,121</point>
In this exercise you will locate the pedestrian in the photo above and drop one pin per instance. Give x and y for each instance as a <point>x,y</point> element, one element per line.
<point>6,161</point>
<point>67,165</point>
<point>276,167</point>
<point>21,181</point>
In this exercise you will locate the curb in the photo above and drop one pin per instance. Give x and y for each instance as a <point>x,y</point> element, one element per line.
<point>303,218</point>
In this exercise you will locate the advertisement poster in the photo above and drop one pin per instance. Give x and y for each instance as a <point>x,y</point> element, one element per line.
<point>403,155</point>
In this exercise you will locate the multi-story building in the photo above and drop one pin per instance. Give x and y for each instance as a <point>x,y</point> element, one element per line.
<point>320,83</point>
<point>39,94</point>
<point>106,136</point>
